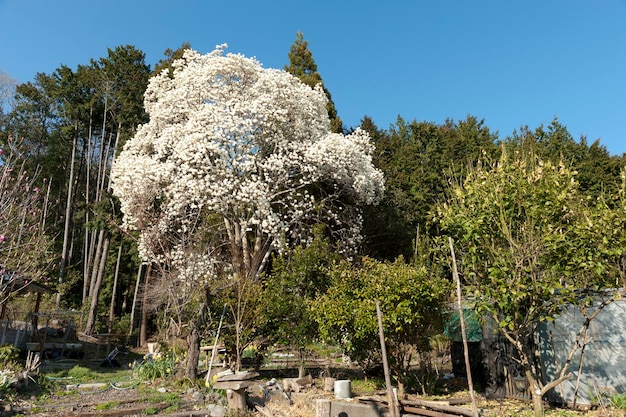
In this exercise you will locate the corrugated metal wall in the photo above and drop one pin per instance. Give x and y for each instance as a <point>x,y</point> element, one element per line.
<point>599,368</point>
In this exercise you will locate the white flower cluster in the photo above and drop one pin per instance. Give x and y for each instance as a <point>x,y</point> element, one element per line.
<point>244,143</point>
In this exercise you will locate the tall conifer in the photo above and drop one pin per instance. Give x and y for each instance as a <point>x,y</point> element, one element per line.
<point>303,66</point>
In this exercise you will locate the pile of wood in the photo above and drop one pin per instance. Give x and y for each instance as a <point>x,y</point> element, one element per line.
<point>417,407</point>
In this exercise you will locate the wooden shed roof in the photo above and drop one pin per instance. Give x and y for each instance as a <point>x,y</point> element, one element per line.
<point>21,284</point>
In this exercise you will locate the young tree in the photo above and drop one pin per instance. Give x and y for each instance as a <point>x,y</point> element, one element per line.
<point>528,243</point>
<point>238,161</point>
<point>297,278</point>
<point>412,301</point>
<point>25,249</point>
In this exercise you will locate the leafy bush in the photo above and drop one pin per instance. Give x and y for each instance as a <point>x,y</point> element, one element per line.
<point>9,367</point>
<point>9,356</point>
<point>153,366</point>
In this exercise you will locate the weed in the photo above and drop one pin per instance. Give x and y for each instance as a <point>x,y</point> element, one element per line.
<point>366,385</point>
<point>158,365</point>
<point>168,398</point>
<point>618,401</point>
<point>107,406</point>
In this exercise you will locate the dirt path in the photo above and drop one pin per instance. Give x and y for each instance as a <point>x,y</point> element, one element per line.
<point>110,402</point>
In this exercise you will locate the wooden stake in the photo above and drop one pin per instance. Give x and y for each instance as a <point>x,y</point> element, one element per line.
<point>393,404</point>
<point>470,384</point>
<point>213,352</point>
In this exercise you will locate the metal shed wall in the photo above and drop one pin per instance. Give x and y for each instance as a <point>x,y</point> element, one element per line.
<point>603,366</point>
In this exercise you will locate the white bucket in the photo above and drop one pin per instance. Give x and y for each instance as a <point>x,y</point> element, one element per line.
<point>343,389</point>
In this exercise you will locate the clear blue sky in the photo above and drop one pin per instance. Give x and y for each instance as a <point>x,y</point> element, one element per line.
<point>511,63</point>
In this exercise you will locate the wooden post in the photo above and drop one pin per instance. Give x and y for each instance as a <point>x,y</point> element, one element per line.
<point>214,350</point>
<point>470,384</point>
<point>236,399</point>
<point>235,386</point>
<point>36,312</point>
<point>393,404</point>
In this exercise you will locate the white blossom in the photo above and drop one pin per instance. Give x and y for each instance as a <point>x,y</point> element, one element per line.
<point>237,151</point>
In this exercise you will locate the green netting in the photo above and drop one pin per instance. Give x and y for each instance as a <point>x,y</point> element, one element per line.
<point>473,329</point>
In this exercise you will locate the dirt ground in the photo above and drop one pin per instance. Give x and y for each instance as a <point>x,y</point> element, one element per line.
<point>165,398</point>
<point>137,401</point>
<point>131,403</point>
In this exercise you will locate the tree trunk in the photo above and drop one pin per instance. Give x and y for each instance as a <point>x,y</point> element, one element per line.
<point>68,215</point>
<point>114,290</point>
<point>536,395</point>
<point>88,249</point>
<point>143,326</point>
<point>96,264</point>
<point>88,241</point>
<point>193,355</point>
<point>134,307</point>
<point>93,309</point>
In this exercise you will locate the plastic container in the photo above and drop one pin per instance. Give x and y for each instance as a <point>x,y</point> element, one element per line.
<point>343,388</point>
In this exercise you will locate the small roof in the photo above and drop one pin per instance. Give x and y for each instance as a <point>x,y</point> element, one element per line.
<point>21,284</point>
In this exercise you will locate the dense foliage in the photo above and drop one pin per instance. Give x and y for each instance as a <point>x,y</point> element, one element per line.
<point>412,300</point>
<point>530,246</point>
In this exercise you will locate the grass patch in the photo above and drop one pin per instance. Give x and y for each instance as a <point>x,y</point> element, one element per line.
<point>170,399</point>
<point>107,406</point>
<point>362,386</point>
<point>151,411</point>
<point>79,374</point>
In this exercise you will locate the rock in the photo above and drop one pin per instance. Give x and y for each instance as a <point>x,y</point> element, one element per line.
<point>297,384</point>
<point>218,411</point>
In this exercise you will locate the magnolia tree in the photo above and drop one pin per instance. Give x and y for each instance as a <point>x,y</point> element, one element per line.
<point>236,162</point>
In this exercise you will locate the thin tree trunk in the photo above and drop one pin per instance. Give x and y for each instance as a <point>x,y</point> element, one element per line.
<point>86,261</point>
<point>114,291</point>
<point>88,245</point>
<point>66,228</point>
<point>133,308</point>
<point>536,394</point>
<point>91,320</point>
<point>214,350</point>
<point>96,263</point>
<point>143,326</point>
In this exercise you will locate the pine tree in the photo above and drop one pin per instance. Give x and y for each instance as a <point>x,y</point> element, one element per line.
<point>303,66</point>
<point>170,57</point>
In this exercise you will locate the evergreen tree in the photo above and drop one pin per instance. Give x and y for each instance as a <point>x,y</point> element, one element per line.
<point>303,66</point>
<point>170,56</point>
<point>597,170</point>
